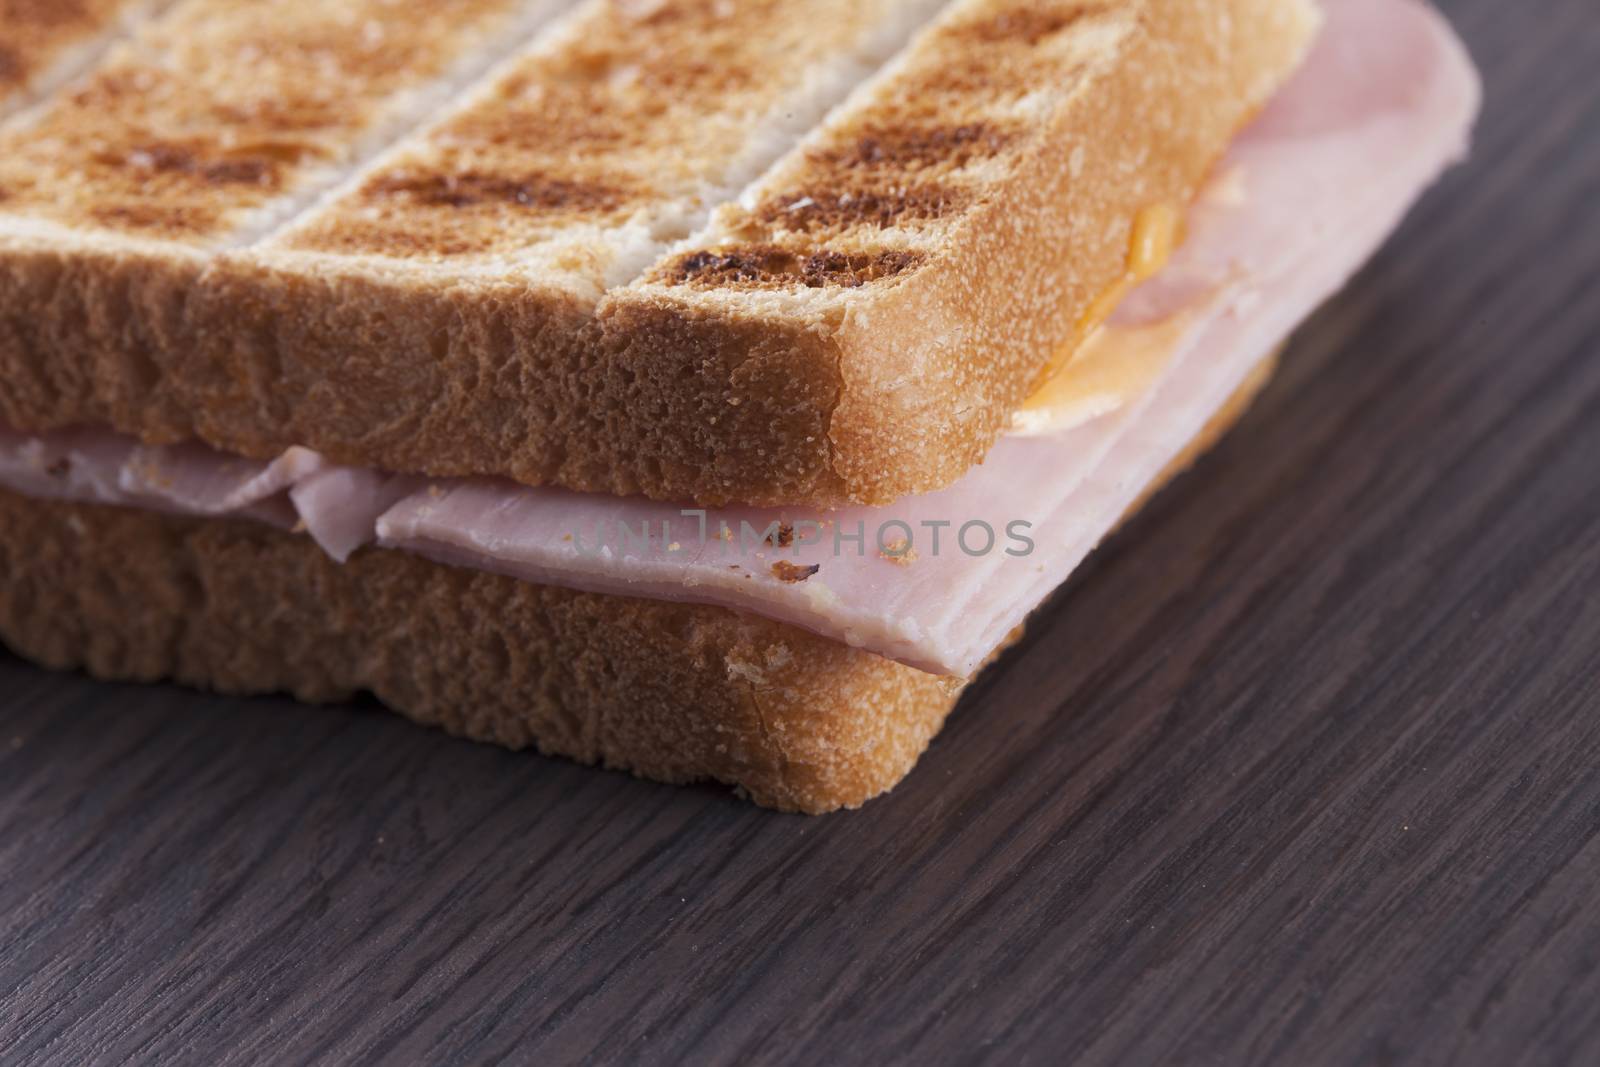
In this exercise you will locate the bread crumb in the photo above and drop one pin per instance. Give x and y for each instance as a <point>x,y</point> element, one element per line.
<point>793,572</point>
<point>899,552</point>
<point>744,671</point>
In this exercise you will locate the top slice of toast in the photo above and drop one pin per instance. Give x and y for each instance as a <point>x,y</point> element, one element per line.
<point>709,250</point>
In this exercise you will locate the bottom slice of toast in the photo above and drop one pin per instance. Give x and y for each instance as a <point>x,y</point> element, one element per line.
<point>673,692</point>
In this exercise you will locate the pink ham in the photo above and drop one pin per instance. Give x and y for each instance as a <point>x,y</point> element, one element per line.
<point>1384,103</point>
<point>340,506</point>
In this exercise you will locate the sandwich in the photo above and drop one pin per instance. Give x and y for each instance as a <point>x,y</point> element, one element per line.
<point>703,389</point>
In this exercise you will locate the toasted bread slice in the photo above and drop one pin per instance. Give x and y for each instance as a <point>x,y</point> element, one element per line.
<point>673,692</point>
<point>448,294</point>
<point>157,293</point>
<point>46,43</point>
<point>526,288</point>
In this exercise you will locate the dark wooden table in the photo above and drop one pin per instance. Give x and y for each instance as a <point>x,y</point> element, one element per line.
<point>1303,768</point>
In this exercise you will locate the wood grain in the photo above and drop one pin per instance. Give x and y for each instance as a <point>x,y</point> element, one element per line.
<point>1303,768</point>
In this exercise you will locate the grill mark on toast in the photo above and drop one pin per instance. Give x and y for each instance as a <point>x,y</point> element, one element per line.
<point>820,209</point>
<point>534,192</point>
<point>913,147</point>
<point>172,182</point>
<point>774,267</point>
<point>850,270</point>
<point>250,165</point>
<point>11,68</point>
<point>1029,26</point>
<point>754,265</point>
<point>166,165</point>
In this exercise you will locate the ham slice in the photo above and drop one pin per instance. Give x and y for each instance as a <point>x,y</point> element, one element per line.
<point>1384,103</point>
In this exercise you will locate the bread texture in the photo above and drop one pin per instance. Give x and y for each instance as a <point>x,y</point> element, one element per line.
<point>167,144</point>
<point>47,42</point>
<point>527,289</point>
<point>673,692</point>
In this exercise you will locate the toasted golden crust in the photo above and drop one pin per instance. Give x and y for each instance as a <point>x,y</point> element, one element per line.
<point>629,114</point>
<point>673,692</point>
<point>47,41</point>
<point>876,192</point>
<point>857,328</point>
<point>203,123</point>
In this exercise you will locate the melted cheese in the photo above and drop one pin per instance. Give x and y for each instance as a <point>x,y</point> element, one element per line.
<point>1105,366</point>
<point>1110,369</point>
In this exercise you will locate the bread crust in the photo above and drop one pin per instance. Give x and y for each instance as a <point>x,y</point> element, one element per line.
<point>676,693</point>
<point>809,396</point>
<point>673,692</point>
<point>121,310</point>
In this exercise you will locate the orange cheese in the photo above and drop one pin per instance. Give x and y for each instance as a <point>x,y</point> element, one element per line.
<point>1111,368</point>
<point>1103,367</point>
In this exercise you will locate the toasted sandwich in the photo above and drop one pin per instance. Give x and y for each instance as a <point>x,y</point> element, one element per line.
<point>708,389</point>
